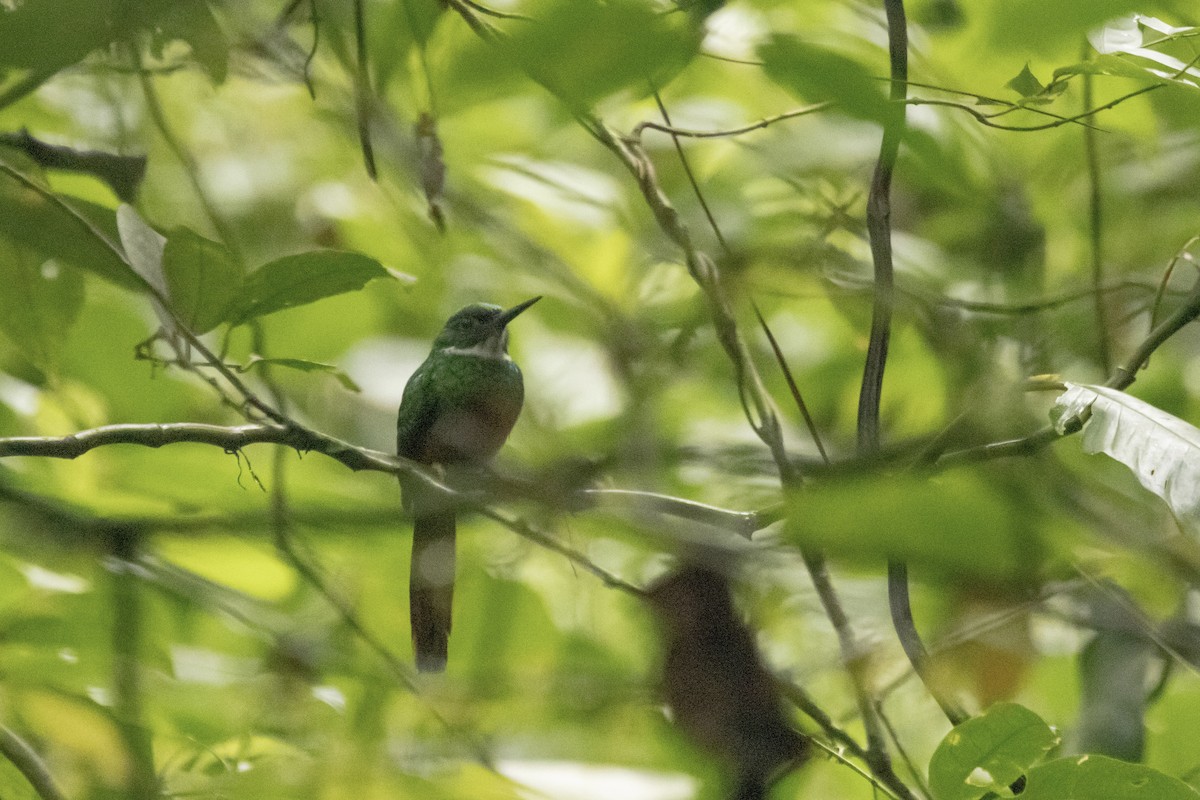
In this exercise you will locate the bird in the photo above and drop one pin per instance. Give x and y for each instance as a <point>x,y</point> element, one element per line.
<point>455,414</point>
<point>715,685</point>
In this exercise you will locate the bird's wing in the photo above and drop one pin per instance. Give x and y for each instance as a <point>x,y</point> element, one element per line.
<point>418,410</point>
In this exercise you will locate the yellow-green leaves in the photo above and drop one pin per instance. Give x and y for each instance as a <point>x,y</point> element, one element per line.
<point>951,524</point>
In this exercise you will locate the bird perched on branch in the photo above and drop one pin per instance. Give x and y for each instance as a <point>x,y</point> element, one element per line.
<point>715,684</point>
<point>458,408</point>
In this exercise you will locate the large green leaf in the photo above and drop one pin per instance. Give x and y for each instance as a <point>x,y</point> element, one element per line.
<point>1102,778</point>
<point>988,752</point>
<point>28,218</point>
<point>202,277</point>
<point>1162,451</point>
<point>953,524</point>
<point>301,279</point>
<point>48,34</point>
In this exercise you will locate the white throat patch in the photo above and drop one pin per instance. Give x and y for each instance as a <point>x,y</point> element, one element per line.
<point>494,347</point>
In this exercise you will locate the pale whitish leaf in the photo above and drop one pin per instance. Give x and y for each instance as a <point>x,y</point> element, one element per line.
<point>1156,24</point>
<point>144,248</point>
<point>305,366</point>
<point>1117,35</point>
<point>1163,451</point>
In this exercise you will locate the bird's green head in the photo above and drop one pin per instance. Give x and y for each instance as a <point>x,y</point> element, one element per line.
<point>480,328</point>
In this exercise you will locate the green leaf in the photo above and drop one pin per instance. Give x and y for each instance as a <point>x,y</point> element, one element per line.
<point>586,50</point>
<point>39,301</point>
<point>988,752</point>
<point>1102,778</point>
<point>301,279</point>
<point>50,34</point>
<point>202,277</point>
<point>305,366</point>
<point>1161,450</point>
<point>28,218</point>
<point>192,21</point>
<point>953,524</point>
<point>1107,65</point>
<point>1025,84</point>
<point>815,74</point>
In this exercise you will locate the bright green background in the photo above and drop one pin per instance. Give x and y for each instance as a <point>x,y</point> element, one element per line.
<point>253,688</point>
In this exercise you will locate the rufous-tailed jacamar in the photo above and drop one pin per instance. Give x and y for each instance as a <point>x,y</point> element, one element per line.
<point>457,410</point>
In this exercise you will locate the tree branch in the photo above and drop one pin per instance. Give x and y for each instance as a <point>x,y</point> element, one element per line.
<point>123,174</point>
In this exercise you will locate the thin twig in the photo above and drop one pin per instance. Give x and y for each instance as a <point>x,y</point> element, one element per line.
<point>362,86</point>
<point>175,145</point>
<point>641,127</point>
<point>1121,378</point>
<point>1095,224</point>
<point>1181,254</point>
<point>691,176</point>
<point>27,761</point>
<point>792,387</point>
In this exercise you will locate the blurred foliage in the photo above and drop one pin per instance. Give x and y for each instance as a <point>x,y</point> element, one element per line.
<point>156,636</point>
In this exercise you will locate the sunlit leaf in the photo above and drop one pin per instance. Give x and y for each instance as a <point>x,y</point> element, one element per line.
<point>1107,65</point>
<point>1117,35</point>
<point>988,752</point>
<point>307,366</point>
<point>1161,450</point>
<point>301,279</point>
<point>1102,778</point>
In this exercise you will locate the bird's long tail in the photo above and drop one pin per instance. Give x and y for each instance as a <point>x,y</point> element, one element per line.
<point>431,587</point>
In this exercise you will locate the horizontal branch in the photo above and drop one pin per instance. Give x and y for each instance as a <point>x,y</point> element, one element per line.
<point>235,438</point>
<point>122,173</point>
<point>229,439</point>
<point>754,126</point>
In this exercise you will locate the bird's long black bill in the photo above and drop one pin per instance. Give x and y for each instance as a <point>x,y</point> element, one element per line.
<point>509,315</point>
